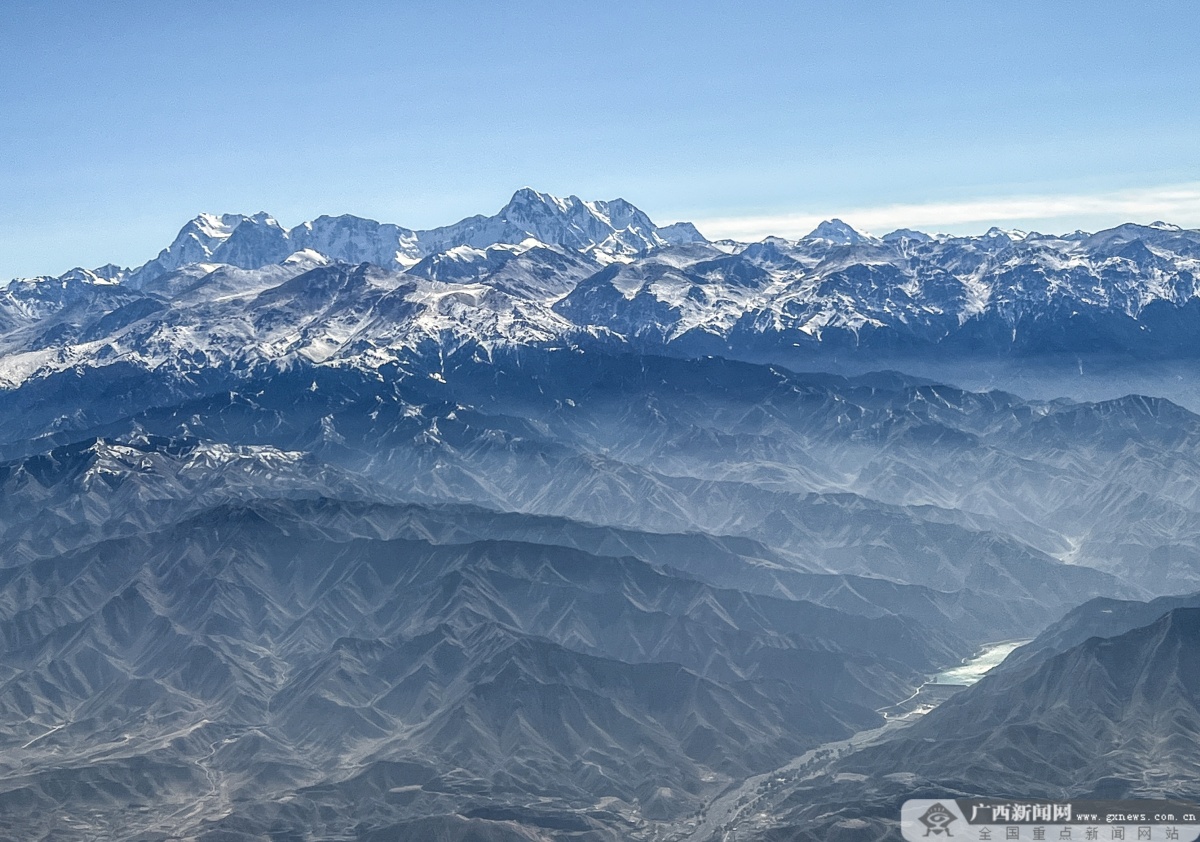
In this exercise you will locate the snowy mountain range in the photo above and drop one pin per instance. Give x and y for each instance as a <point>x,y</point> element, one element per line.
<point>607,230</point>
<point>557,272</point>
<point>559,524</point>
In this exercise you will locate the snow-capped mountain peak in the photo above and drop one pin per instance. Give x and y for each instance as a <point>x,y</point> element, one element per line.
<point>681,233</point>
<point>527,201</point>
<point>612,229</point>
<point>196,242</point>
<point>609,230</point>
<point>264,218</point>
<point>839,233</point>
<point>1014,234</point>
<point>306,257</point>
<point>906,234</point>
<point>214,227</point>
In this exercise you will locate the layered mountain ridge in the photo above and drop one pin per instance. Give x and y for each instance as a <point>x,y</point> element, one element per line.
<point>561,525</point>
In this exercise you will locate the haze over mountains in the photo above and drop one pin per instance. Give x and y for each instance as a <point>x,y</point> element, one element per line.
<point>559,524</point>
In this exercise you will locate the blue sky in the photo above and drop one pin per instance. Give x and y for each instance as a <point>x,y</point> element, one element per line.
<point>122,121</point>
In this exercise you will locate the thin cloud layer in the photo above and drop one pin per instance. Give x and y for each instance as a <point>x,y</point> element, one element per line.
<point>1179,204</point>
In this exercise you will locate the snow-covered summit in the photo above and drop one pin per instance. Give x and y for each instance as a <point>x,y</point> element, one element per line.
<point>839,233</point>
<point>607,230</point>
<point>196,242</point>
<point>901,234</point>
<point>611,228</point>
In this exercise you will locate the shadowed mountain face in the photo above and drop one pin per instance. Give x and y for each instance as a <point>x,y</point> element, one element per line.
<point>1096,618</point>
<point>1110,717</point>
<point>527,528</point>
<point>273,658</point>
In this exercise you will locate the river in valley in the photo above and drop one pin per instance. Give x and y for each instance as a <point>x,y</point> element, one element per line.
<point>973,669</point>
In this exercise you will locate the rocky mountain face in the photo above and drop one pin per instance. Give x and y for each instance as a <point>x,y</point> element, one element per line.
<point>249,655</point>
<point>534,527</point>
<point>1110,717</point>
<point>1100,617</point>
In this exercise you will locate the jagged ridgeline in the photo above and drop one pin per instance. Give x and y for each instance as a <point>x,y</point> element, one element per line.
<point>550,272</point>
<point>560,524</point>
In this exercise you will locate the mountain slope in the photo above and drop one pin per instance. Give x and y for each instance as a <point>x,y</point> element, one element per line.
<point>1109,717</point>
<point>261,653</point>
